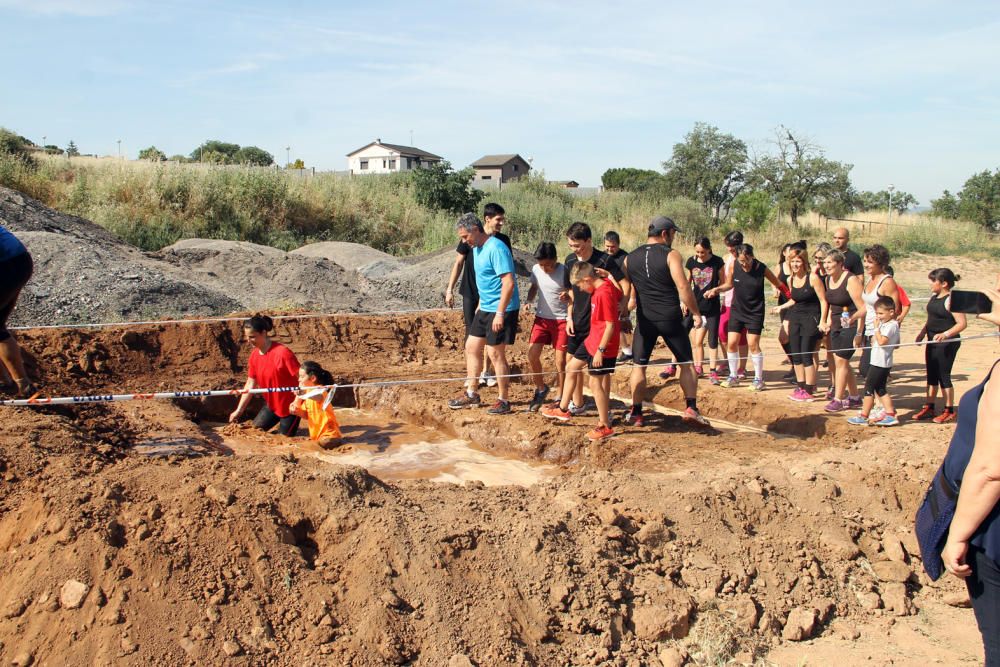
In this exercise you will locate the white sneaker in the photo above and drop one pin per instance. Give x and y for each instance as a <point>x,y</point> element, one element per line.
<point>483,378</point>
<point>575,410</point>
<point>491,380</point>
<point>876,414</point>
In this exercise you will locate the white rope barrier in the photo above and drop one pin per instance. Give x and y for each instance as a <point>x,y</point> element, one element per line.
<point>36,401</point>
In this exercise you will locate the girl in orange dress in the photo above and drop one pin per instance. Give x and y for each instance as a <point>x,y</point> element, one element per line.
<point>313,404</point>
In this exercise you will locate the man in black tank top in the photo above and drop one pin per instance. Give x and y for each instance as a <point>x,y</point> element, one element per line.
<point>660,285</point>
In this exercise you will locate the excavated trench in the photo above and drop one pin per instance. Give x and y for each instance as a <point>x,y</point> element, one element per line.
<point>397,431</point>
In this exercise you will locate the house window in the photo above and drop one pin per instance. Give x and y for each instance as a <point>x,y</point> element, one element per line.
<point>383,164</point>
<point>487,178</point>
<point>392,164</point>
<point>409,163</point>
<point>364,164</point>
<point>515,167</point>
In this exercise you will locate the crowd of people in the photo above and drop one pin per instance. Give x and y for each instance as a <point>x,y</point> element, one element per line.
<point>829,299</point>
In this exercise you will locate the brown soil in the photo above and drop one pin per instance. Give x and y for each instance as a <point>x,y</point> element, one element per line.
<point>780,525</point>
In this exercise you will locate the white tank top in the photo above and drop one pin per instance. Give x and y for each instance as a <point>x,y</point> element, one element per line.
<point>870,299</point>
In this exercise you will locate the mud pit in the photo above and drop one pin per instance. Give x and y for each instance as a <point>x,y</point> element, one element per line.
<point>784,525</point>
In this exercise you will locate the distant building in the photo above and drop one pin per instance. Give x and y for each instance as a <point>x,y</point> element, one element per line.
<point>498,169</point>
<point>381,158</point>
<point>565,184</point>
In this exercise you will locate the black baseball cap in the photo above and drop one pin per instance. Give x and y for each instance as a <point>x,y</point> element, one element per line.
<point>661,224</point>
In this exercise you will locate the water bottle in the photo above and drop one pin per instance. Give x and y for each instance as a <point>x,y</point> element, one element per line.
<point>845,318</point>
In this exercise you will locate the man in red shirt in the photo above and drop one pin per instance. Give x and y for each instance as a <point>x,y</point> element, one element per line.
<point>599,351</point>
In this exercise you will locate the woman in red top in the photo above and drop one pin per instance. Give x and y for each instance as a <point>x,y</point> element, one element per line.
<point>271,365</point>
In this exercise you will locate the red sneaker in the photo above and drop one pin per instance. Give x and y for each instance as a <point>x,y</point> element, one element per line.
<point>600,433</point>
<point>945,417</point>
<point>556,413</point>
<point>926,413</point>
<point>693,416</point>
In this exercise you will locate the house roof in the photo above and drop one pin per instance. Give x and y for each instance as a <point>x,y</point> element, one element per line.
<point>497,160</point>
<point>402,150</point>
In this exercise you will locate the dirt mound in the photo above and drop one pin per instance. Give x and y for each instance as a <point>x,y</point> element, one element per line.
<point>367,261</point>
<point>85,274</point>
<point>261,277</point>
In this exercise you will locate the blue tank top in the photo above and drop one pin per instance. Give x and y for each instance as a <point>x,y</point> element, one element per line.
<point>9,245</point>
<point>987,536</point>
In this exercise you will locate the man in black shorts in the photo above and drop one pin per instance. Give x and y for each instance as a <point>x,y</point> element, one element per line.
<point>613,246</point>
<point>463,273</point>
<point>581,243</point>
<point>656,272</point>
<point>495,322</point>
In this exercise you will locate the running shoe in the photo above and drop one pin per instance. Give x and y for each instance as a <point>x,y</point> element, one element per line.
<point>691,415</point>
<point>789,376</point>
<point>887,420</point>
<point>830,393</point>
<point>538,399</point>
<point>713,378</point>
<point>854,402</point>
<point>836,406</point>
<point>877,413</point>
<point>501,407</point>
<point>730,382</point>
<point>483,378</point>
<point>634,417</point>
<point>624,358</point>
<point>926,414</point>
<point>945,417</point>
<point>602,432</point>
<point>491,380</point>
<point>756,385</point>
<point>800,395</point>
<point>741,375</point>
<point>556,413</point>
<point>667,372</point>
<point>464,401</point>
<point>576,410</point>
<point>858,420</point>
<point>699,371</point>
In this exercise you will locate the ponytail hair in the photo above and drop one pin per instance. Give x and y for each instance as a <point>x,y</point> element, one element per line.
<point>734,239</point>
<point>744,249</point>
<point>704,243</point>
<point>313,369</point>
<point>259,324</point>
<point>946,276</point>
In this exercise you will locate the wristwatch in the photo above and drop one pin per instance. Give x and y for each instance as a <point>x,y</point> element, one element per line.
<point>601,349</point>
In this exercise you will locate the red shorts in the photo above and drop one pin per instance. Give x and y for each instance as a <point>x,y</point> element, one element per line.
<point>549,332</point>
<point>724,327</point>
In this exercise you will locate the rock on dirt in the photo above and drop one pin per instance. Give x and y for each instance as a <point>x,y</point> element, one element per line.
<point>72,594</point>
<point>800,625</point>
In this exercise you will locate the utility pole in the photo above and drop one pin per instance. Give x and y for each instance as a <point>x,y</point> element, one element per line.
<point>411,137</point>
<point>288,156</point>
<point>891,188</point>
<point>119,149</point>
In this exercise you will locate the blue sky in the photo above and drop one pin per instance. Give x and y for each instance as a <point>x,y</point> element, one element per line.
<point>905,91</point>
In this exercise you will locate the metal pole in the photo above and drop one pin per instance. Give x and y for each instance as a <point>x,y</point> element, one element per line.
<point>891,188</point>
<point>288,156</point>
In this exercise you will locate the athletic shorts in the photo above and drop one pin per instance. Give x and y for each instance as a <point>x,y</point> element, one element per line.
<point>549,332</point>
<point>739,322</point>
<point>842,342</point>
<point>673,333</point>
<point>876,380</point>
<point>575,342</point>
<point>266,420</point>
<point>16,272</point>
<point>724,326</point>
<point>469,306</point>
<point>607,364</point>
<point>482,327</point>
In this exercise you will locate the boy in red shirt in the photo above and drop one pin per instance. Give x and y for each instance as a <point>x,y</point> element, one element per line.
<point>599,351</point>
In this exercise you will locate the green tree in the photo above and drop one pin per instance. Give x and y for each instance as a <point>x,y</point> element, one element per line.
<point>71,149</point>
<point>946,206</point>
<point>14,144</point>
<point>709,167</point>
<point>876,201</point>
<point>226,150</point>
<point>752,209</point>
<point>52,149</point>
<point>153,154</point>
<point>440,187</point>
<point>979,200</point>
<point>798,175</point>
<point>631,179</point>
<point>298,164</point>
<point>251,155</point>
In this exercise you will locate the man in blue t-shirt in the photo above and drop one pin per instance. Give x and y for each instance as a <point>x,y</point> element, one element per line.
<point>495,322</point>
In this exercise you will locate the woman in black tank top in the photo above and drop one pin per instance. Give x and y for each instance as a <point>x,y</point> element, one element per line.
<point>845,319</point>
<point>939,357</point>
<point>807,318</point>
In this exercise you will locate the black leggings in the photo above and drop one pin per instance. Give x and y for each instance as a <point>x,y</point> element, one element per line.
<point>712,322</point>
<point>940,358</point>
<point>266,419</point>
<point>16,272</point>
<point>984,591</point>
<point>803,341</point>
